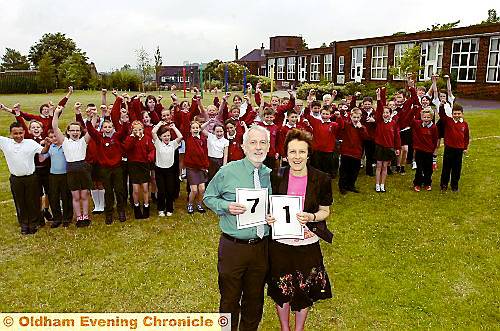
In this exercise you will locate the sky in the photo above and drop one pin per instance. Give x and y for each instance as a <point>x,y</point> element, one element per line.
<point>200,31</point>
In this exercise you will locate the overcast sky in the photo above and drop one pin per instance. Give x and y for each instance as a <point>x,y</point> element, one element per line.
<point>196,30</point>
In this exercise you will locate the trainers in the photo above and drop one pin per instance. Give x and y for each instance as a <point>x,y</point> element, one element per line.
<point>169,214</point>
<point>428,188</point>
<point>190,209</point>
<point>413,165</point>
<point>382,189</point>
<point>377,188</point>
<point>416,188</point>
<point>200,208</point>
<point>161,213</point>
<point>402,170</point>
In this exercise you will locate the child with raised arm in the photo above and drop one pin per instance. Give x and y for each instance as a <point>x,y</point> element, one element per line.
<point>74,144</point>
<point>445,98</point>
<point>425,138</point>
<point>368,120</point>
<point>387,140</point>
<point>140,153</point>
<point>235,151</point>
<point>166,170</point>
<point>456,143</point>
<point>351,150</point>
<point>197,164</point>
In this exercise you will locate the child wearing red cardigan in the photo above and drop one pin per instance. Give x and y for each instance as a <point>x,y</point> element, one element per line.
<point>387,140</point>
<point>197,163</point>
<point>140,153</point>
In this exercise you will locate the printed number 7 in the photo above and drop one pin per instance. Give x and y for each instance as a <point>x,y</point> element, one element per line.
<point>255,203</point>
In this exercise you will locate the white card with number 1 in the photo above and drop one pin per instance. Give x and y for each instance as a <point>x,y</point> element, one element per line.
<point>284,209</point>
<point>255,200</point>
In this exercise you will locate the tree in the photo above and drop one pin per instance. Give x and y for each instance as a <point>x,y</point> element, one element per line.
<point>492,17</point>
<point>57,45</point>
<point>209,71</point>
<point>304,44</point>
<point>75,71</point>
<point>158,62</point>
<point>331,44</point>
<point>46,77</point>
<point>144,65</point>
<point>13,60</point>
<point>126,67</point>
<point>235,72</point>
<point>442,27</point>
<point>408,64</point>
<point>323,45</point>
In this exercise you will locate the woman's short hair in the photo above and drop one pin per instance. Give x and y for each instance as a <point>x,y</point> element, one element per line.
<point>300,135</point>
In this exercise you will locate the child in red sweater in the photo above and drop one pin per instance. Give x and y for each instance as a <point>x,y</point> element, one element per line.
<point>425,139</point>
<point>456,143</point>
<point>196,161</point>
<point>272,158</point>
<point>351,150</point>
<point>387,141</point>
<point>235,151</point>
<point>140,153</point>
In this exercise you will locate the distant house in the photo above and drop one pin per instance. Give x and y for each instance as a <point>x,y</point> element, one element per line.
<point>172,75</point>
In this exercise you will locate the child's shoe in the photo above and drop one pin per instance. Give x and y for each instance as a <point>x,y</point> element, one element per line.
<point>428,188</point>
<point>190,208</point>
<point>200,208</point>
<point>416,188</point>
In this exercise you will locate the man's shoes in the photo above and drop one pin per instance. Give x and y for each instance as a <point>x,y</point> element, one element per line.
<point>190,208</point>
<point>121,216</point>
<point>109,219</point>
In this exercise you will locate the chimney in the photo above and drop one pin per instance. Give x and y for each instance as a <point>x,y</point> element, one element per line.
<point>262,53</point>
<point>236,58</point>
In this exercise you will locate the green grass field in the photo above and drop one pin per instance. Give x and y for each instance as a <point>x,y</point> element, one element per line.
<point>400,260</point>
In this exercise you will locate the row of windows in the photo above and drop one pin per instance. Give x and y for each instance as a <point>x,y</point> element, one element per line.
<point>464,58</point>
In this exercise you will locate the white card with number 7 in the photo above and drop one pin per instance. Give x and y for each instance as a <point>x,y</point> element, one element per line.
<point>255,200</point>
<point>284,209</point>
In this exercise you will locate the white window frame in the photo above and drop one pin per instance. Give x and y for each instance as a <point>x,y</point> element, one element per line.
<point>496,66</point>
<point>328,67</point>
<point>458,57</point>
<point>314,70</point>
<point>290,68</point>
<point>341,64</point>
<point>399,50</point>
<point>302,70</point>
<point>378,66</point>
<point>425,61</point>
<point>280,68</point>
<point>354,62</point>
<point>271,63</point>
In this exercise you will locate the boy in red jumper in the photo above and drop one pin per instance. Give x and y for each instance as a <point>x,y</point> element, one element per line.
<point>109,148</point>
<point>425,138</point>
<point>235,151</point>
<point>368,120</point>
<point>324,134</point>
<point>351,150</point>
<point>272,157</point>
<point>387,140</point>
<point>456,143</point>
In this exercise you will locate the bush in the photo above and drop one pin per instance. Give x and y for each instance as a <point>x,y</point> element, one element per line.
<point>213,83</point>
<point>303,90</point>
<point>264,81</point>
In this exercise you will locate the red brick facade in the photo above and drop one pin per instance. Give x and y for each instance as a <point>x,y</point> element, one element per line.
<point>468,86</point>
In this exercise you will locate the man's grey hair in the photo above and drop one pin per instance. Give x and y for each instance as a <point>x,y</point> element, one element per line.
<point>256,127</point>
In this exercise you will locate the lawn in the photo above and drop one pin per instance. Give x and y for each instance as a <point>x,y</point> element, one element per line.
<point>400,260</point>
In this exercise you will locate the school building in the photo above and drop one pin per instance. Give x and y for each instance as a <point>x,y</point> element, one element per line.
<point>471,53</point>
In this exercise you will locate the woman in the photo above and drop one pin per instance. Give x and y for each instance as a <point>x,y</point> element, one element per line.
<point>297,276</point>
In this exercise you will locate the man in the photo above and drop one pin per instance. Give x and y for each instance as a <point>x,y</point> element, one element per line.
<point>20,156</point>
<point>242,263</point>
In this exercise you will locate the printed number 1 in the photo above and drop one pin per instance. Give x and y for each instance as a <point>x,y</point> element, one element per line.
<point>255,203</point>
<point>287,212</point>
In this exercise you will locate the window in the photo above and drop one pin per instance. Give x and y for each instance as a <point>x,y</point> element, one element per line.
<point>328,58</point>
<point>431,58</point>
<point>290,69</point>
<point>399,50</point>
<point>315,68</point>
<point>341,64</point>
<point>280,72</point>
<point>464,59</point>
<point>379,62</point>
<point>358,63</point>
<point>493,71</point>
<point>270,68</point>
<point>302,68</point>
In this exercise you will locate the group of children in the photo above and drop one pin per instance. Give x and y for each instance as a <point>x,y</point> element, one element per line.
<point>137,148</point>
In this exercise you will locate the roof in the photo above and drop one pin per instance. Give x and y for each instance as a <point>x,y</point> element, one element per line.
<point>254,56</point>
